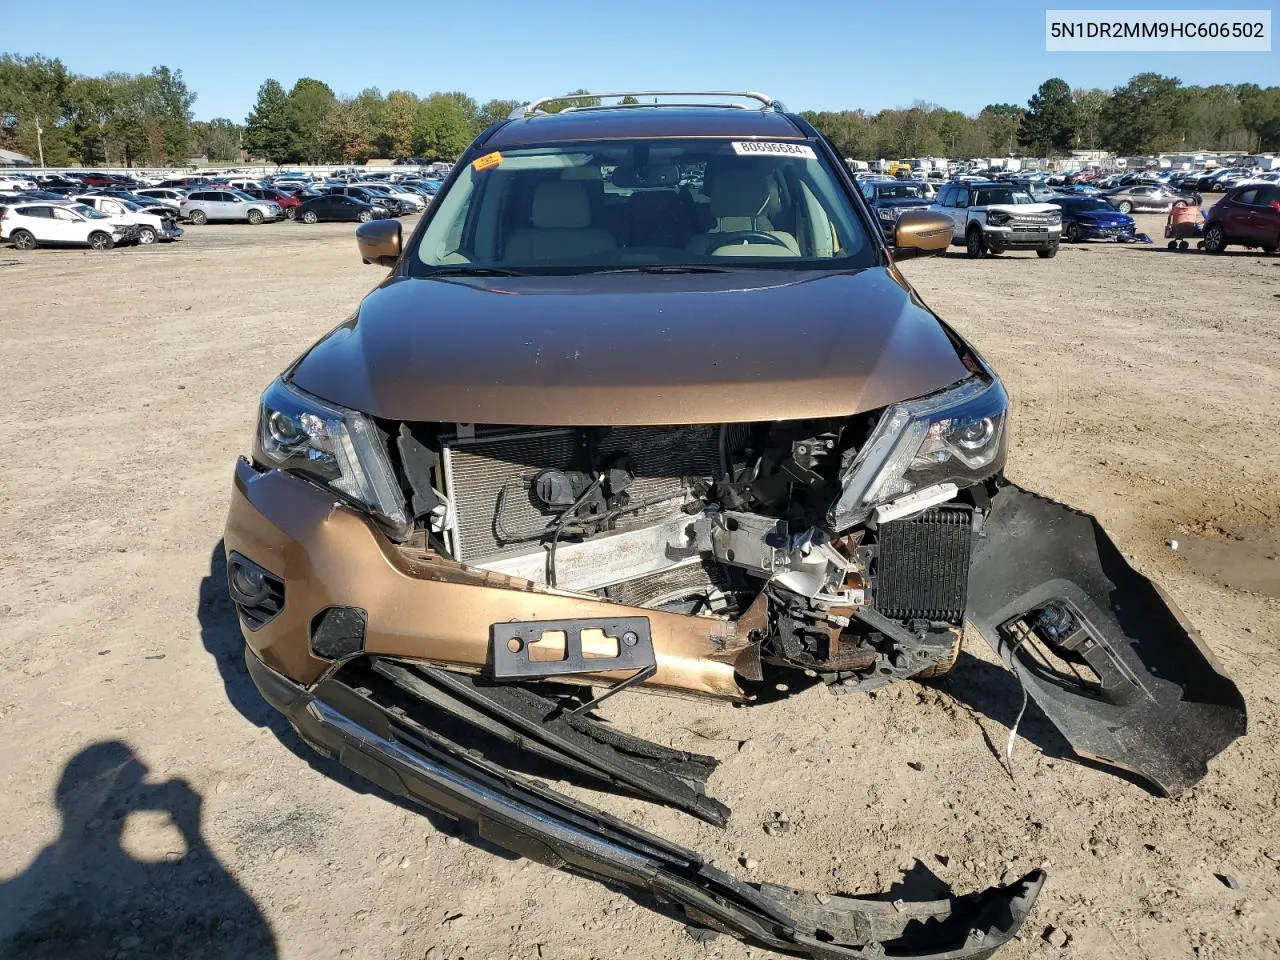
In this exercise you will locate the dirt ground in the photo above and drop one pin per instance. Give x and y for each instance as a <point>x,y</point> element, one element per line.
<point>153,806</point>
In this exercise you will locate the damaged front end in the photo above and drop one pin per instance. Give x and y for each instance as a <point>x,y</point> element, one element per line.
<point>421,598</point>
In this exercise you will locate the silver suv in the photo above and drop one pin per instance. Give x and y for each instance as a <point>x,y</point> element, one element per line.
<point>201,206</point>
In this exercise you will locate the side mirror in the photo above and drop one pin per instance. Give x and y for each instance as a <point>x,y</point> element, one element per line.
<point>379,242</point>
<point>920,233</point>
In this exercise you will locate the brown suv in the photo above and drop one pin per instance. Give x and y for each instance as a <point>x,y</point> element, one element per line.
<point>1248,216</point>
<point>645,404</point>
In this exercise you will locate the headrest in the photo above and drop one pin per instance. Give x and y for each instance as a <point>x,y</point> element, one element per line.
<point>560,205</point>
<point>738,192</point>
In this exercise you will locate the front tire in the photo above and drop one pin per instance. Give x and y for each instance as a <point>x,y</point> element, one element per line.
<point>255,217</point>
<point>310,217</point>
<point>290,212</point>
<point>364,216</point>
<point>146,235</point>
<point>199,217</point>
<point>1073,233</point>
<point>1048,253</point>
<point>1215,238</point>
<point>101,241</point>
<point>1124,206</point>
<point>23,239</point>
<point>975,247</point>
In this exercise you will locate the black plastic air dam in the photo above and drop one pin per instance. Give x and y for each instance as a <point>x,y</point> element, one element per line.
<point>411,761</point>
<point>1158,704</point>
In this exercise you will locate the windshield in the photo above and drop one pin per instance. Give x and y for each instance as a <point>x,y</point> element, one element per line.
<point>986,196</point>
<point>1091,204</point>
<point>88,212</point>
<point>900,191</point>
<point>628,204</point>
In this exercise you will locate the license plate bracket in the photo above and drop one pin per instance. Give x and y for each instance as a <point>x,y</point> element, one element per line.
<point>513,644</point>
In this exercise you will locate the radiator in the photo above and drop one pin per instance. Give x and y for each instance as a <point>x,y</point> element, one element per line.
<point>922,569</point>
<point>484,472</point>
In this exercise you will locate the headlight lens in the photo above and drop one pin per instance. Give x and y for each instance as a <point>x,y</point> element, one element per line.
<point>333,446</point>
<point>957,436</point>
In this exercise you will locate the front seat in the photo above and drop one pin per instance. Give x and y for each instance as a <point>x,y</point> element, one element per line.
<point>738,198</point>
<point>561,230</point>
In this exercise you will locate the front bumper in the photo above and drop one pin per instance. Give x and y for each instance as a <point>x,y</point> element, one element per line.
<point>328,555</point>
<point>413,760</point>
<point>171,231</point>
<point>1021,238</point>
<point>1093,231</point>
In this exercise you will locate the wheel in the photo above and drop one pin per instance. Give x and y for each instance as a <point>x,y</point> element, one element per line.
<point>199,217</point>
<point>1173,244</point>
<point>146,235</point>
<point>1124,206</point>
<point>1073,233</point>
<point>974,247</point>
<point>1048,253</point>
<point>1215,238</point>
<point>365,216</point>
<point>290,212</point>
<point>1182,244</point>
<point>946,665</point>
<point>101,241</point>
<point>1179,203</point>
<point>255,217</point>
<point>309,217</point>
<point>23,239</point>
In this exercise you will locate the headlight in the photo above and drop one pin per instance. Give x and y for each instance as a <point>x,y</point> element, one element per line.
<point>997,216</point>
<point>332,446</point>
<point>886,213</point>
<point>957,436</point>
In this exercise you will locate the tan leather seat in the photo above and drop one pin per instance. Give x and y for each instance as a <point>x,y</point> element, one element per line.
<point>738,197</point>
<point>562,230</point>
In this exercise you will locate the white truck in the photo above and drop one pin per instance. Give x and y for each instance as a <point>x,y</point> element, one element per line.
<point>151,227</point>
<point>992,217</point>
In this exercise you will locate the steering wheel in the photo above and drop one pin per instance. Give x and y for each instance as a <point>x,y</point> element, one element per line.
<point>748,236</point>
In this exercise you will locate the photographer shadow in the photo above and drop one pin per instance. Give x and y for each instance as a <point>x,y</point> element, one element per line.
<point>85,895</point>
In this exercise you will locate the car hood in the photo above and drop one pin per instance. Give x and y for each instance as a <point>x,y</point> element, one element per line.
<point>1103,216</point>
<point>633,349</point>
<point>1022,208</point>
<point>902,202</point>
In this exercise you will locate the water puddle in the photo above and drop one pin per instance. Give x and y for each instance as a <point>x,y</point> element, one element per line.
<point>1251,561</point>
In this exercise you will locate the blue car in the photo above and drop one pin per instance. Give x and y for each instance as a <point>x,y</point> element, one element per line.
<point>1091,218</point>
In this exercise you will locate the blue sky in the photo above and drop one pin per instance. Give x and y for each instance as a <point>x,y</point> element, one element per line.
<point>811,54</point>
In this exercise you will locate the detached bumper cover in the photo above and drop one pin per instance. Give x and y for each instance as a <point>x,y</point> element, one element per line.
<point>410,760</point>
<point>1122,675</point>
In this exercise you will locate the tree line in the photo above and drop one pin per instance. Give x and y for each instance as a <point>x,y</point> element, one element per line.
<point>1150,114</point>
<point>146,119</point>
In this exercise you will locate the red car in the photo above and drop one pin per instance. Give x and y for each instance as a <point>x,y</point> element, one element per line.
<point>289,204</point>
<point>1247,216</point>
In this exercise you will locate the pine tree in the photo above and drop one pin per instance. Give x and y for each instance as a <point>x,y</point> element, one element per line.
<point>269,128</point>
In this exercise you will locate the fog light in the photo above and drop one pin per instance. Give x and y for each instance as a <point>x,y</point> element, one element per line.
<point>257,594</point>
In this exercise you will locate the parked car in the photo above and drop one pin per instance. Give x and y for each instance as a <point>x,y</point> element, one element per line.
<point>173,196</point>
<point>30,225</point>
<point>334,206</point>
<point>714,445</point>
<point>889,199</point>
<point>373,197</point>
<point>288,203</point>
<point>13,181</point>
<point>989,217</point>
<point>203,206</point>
<point>1247,216</point>
<point>1091,218</point>
<point>398,192</point>
<point>1149,198</point>
<point>152,226</point>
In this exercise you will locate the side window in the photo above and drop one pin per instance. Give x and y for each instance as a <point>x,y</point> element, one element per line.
<point>45,213</point>
<point>945,195</point>
<point>197,196</point>
<point>1247,196</point>
<point>111,207</point>
<point>962,197</point>
<point>1268,196</point>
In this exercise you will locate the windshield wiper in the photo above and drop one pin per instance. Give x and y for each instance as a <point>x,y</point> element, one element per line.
<point>466,271</point>
<point>661,268</point>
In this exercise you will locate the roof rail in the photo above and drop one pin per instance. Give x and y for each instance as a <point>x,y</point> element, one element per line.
<point>766,102</point>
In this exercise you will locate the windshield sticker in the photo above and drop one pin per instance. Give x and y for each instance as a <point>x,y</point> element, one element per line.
<point>487,161</point>
<point>764,148</point>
